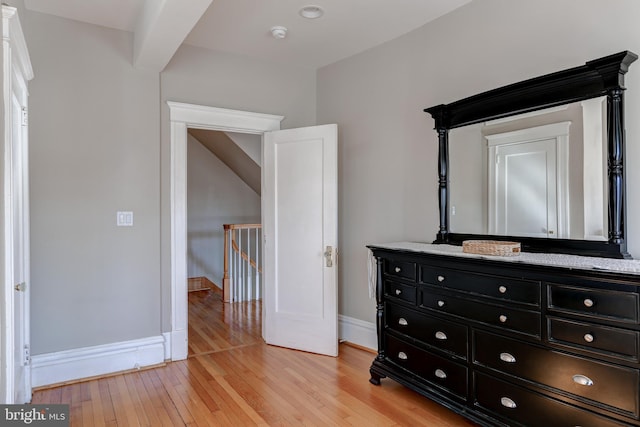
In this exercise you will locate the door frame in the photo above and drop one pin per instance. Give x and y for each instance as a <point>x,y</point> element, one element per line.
<point>16,70</point>
<point>559,132</point>
<point>183,116</point>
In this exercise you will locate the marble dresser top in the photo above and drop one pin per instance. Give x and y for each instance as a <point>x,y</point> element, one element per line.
<point>556,260</point>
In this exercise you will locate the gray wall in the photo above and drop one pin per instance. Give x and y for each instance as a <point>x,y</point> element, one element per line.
<point>94,135</point>
<point>100,143</point>
<point>387,146</point>
<point>215,196</point>
<point>217,79</point>
<point>96,148</point>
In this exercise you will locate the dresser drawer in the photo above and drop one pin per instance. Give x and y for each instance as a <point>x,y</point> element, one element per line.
<point>604,304</point>
<point>611,385</point>
<point>438,333</point>
<point>616,341</point>
<point>528,408</point>
<point>527,322</point>
<point>504,288</point>
<point>403,269</point>
<point>400,290</point>
<point>436,370</point>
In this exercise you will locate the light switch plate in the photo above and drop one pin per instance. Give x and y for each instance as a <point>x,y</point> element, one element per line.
<point>124,219</point>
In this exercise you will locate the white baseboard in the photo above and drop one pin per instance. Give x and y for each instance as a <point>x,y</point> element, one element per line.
<point>167,345</point>
<point>358,332</point>
<point>68,365</point>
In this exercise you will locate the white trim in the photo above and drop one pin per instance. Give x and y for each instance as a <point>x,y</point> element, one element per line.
<point>17,71</point>
<point>182,117</point>
<point>53,368</point>
<point>529,134</point>
<point>557,131</point>
<point>358,332</point>
<point>167,345</point>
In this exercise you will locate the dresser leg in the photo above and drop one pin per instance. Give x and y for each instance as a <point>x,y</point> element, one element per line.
<point>375,378</point>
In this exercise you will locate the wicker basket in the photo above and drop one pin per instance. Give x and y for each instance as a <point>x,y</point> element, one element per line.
<point>491,247</point>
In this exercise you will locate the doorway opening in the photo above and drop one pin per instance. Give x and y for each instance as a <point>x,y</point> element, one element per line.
<point>184,117</point>
<point>224,240</point>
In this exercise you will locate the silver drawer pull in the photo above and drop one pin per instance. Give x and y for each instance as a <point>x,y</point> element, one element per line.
<point>398,269</point>
<point>588,337</point>
<point>398,291</point>
<point>502,289</point>
<point>508,403</point>
<point>441,374</point>
<point>402,321</point>
<point>402,355</point>
<point>582,380</point>
<point>441,278</point>
<point>502,318</point>
<point>441,335</point>
<point>440,303</point>
<point>588,302</point>
<point>506,357</point>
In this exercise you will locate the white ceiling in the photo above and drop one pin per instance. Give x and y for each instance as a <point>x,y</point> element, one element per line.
<point>242,26</point>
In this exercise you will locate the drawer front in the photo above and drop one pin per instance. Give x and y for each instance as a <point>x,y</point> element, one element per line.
<point>611,385</point>
<point>528,408</point>
<point>616,341</point>
<point>436,370</point>
<point>527,322</point>
<point>441,334</point>
<point>597,303</point>
<point>405,270</point>
<point>400,291</point>
<point>504,288</point>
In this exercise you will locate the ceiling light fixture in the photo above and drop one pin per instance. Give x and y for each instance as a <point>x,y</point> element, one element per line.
<point>279,32</point>
<point>311,12</point>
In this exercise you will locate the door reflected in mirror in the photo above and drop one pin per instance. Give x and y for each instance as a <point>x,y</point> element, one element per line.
<point>539,174</point>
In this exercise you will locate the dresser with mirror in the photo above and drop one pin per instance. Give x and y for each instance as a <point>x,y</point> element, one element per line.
<point>551,336</point>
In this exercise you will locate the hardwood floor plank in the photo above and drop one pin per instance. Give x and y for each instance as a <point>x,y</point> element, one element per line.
<point>232,378</point>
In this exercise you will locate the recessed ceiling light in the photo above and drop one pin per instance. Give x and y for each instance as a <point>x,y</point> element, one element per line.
<point>311,12</point>
<point>279,32</point>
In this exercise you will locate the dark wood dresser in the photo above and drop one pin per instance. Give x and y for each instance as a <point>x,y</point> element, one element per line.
<point>509,342</point>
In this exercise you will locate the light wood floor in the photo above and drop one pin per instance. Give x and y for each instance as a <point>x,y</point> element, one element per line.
<point>232,378</point>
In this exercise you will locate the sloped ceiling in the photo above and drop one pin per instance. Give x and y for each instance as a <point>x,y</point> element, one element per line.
<point>231,155</point>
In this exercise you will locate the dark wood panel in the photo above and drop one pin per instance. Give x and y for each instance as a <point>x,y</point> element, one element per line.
<point>602,383</point>
<point>493,286</point>
<point>523,407</point>
<point>613,341</point>
<point>435,332</point>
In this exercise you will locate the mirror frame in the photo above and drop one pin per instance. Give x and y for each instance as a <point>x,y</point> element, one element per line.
<point>600,77</point>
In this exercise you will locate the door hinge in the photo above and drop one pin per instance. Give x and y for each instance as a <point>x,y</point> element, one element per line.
<point>25,116</point>
<point>27,355</point>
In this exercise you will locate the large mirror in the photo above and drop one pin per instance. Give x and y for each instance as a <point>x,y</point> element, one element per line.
<point>541,174</point>
<point>540,162</point>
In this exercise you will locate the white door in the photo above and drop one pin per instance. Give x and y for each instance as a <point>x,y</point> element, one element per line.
<point>299,196</point>
<point>525,189</point>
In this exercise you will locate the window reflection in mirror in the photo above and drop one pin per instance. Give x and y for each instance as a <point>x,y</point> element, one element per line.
<point>539,174</point>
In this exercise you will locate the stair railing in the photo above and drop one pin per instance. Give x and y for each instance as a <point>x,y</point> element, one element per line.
<point>242,262</point>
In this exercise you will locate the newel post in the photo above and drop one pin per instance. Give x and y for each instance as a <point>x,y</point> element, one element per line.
<point>226,282</point>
